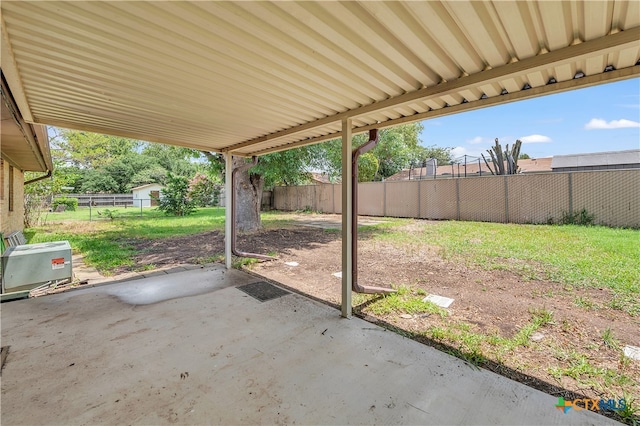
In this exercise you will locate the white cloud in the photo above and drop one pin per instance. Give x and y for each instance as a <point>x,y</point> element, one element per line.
<point>598,123</point>
<point>458,151</point>
<point>461,151</point>
<point>535,139</point>
<point>476,140</point>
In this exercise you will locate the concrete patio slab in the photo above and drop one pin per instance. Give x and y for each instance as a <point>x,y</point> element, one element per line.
<point>190,348</point>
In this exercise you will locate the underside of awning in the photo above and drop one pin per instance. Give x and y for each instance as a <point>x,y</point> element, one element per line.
<point>24,145</point>
<point>256,77</point>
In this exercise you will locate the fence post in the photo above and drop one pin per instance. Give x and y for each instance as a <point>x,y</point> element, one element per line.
<point>333,197</point>
<point>384,198</point>
<point>90,202</point>
<point>114,201</point>
<point>570,195</point>
<point>457,198</point>
<point>419,199</point>
<point>506,199</point>
<point>315,198</point>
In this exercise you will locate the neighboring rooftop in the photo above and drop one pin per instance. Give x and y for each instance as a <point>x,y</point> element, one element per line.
<point>319,178</point>
<point>597,161</point>
<point>629,159</point>
<point>146,185</point>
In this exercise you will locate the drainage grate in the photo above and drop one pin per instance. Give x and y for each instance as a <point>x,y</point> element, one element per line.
<point>263,291</point>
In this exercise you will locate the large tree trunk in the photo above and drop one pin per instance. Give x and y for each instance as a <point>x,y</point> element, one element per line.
<point>248,192</point>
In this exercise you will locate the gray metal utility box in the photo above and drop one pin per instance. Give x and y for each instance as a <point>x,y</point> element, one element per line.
<point>27,266</point>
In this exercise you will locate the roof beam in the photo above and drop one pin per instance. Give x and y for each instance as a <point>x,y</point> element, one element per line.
<point>548,89</point>
<point>628,38</point>
<point>579,83</point>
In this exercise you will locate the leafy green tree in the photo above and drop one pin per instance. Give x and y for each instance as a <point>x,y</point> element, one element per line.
<point>524,156</point>
<point>96,181</point>
<point>177,160</point>
<point>103,163</point>
<point>367,167</point>
<point>174,198</point>
<point>397,148</point>
<point>116,177</point>
<point>99,163</point>
<point>155,173</point>
<point>286,167</point>
<point>90,150</point>
<point>442,155</point>
<point>203,190</point>
<point>123,170</point>
<point>281,168</point>
<point>67,177</point>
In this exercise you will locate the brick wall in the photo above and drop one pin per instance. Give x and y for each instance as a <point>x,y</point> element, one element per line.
<point>11,220</point>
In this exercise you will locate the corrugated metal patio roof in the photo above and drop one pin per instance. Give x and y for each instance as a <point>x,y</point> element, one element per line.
<point>24,145</point>
<point>257,76</point>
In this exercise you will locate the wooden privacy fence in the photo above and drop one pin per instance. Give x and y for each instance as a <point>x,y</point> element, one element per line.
<point>101,200</point>
<point>612,196</point>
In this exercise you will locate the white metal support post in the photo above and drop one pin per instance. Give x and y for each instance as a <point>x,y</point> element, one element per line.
<point>228,195</point>
<point>347,222</point>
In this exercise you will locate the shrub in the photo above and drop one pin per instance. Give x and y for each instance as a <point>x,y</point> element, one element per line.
<point>70,203</point>
<point>175,198</point>
<point>582,217</point>
<point>111,214</point>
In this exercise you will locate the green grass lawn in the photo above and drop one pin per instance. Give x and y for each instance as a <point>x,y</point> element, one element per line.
<point>572,255</point>
<point>580,256</point>
<point>104,241</point>
<point>146,223</point>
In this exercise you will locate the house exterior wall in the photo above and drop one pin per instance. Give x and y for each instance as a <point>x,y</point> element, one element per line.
<point>142,196</point>
<point>11,220</point>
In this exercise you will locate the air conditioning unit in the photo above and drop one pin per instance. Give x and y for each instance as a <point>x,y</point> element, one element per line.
<point>31,265</point>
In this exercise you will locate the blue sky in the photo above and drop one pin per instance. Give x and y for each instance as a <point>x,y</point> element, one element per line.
<point>595,119</point>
